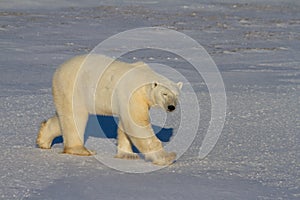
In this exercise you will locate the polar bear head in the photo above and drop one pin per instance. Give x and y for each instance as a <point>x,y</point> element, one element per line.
<point>165,96</point>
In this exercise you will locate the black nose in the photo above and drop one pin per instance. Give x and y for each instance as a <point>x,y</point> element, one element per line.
<point>171,107</point>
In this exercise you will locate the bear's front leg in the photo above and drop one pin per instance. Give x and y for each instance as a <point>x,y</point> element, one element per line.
<point>136,123</point>
<point>153,150</point>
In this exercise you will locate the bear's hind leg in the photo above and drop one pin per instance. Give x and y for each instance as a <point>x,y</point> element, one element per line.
<point>73,132</point>
<point>124,146</point>
<point>49,130</point>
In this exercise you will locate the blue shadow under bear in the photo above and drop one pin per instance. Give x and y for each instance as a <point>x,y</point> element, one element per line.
<point>109,128</point>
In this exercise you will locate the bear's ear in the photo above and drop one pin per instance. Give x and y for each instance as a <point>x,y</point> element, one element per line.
<point>179,85</point>
<point>154,84</point>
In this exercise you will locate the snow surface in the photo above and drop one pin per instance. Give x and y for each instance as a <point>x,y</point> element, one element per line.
<point>255,44</point>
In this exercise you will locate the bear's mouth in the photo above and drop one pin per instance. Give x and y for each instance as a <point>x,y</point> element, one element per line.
<point>171,108</point>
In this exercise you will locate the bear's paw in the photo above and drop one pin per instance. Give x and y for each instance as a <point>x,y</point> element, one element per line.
<point>41,140</point>
<point>127,155</point>
<point>161,157</point>
<point>79,150</point>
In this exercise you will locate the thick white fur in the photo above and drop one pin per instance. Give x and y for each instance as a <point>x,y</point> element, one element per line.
<point>96,84</point>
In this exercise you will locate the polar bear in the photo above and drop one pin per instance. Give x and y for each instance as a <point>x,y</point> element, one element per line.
<point>100,85</point>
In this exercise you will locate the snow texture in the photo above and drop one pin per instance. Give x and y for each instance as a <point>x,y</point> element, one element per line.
<point>255,44</point>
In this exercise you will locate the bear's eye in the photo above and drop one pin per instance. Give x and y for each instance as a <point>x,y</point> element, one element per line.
<point>165,94</point>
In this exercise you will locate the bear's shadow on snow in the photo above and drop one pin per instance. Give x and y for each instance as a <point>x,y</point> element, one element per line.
<point>109,128</point>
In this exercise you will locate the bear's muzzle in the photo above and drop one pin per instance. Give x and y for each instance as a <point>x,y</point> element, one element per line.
<point>171,108</point>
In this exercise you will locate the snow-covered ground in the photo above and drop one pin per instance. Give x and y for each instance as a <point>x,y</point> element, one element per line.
<point>255,44</point>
